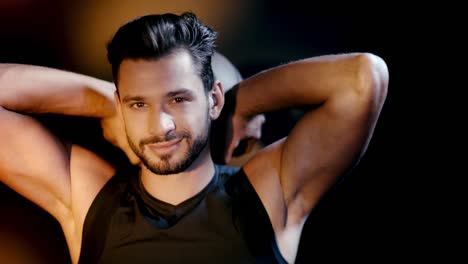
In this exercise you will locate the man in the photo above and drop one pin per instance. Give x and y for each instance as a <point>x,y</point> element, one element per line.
<point>178,206</point>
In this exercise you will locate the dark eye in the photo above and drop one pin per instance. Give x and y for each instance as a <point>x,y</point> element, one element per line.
<point>138,105</point>
<point>179,100</point>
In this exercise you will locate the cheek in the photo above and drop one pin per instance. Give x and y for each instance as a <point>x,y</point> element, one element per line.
<point>198,119</point>
<point>133,127</point>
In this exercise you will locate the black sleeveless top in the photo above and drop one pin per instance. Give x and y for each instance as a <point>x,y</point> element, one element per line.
<point>224,223</point>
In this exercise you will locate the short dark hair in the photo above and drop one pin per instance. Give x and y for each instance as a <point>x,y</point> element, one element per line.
<point>151,37</point>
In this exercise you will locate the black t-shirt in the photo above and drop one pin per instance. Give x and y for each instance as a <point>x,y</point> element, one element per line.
<point>224,223</point>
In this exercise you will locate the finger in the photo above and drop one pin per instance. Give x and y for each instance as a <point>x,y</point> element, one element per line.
<point>228,155</point>
<point>132,157</point>
<point>242,148</point>
<point>258,134</point>
<point>134,160</point>
<point>261,119</point>
<point>230,150</point>
<point>250,144</point>
<point>255,131</point>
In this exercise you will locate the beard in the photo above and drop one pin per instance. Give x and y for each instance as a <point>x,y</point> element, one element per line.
<point>164,166</point>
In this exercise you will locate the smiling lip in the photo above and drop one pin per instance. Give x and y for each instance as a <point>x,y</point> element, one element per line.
<point>166,146</point>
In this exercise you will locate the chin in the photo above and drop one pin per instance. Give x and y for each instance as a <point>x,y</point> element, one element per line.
<point>167,165</point>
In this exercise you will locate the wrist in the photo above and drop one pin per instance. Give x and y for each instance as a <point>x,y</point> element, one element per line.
<point>234,106</point>
<point>99,96</point>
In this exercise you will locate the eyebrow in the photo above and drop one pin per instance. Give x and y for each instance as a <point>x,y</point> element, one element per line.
<point>128,98</point>
<point>183,91</point>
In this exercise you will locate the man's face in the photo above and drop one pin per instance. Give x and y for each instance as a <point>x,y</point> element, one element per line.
<point>165,110</point>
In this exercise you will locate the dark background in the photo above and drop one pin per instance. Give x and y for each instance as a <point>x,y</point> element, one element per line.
<point>372,215</point>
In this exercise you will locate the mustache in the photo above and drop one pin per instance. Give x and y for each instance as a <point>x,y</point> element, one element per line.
<point>167,137</point>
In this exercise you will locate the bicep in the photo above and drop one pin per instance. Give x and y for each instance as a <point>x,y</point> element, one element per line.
<point>323,145</point>
<point>292,174</point>
<point>34,162</point>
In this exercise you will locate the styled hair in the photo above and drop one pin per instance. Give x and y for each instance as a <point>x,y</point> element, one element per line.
<point>151,37</point>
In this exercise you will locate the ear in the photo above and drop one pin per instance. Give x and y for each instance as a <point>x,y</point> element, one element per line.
<point>216,100</point>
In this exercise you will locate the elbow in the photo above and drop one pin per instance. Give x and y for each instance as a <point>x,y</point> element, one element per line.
<point>372,77</point>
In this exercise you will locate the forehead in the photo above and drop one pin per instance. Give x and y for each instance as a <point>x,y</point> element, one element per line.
<point>171,72</point>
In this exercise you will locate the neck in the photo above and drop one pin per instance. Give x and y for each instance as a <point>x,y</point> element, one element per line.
<point>176,188</point>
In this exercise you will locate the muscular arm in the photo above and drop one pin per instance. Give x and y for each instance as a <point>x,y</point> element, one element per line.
<point>33,161</point>
<point>347,92</point>
<point>36,89</point>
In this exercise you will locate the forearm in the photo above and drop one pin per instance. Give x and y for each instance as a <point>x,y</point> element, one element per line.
<point>307,82</point>
<point>36,89</point>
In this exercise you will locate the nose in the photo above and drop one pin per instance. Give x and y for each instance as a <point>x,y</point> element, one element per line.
<point>161,124</point>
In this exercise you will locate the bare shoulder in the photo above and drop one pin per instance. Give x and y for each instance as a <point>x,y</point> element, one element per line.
<point>89,173</point>
<point>62,179</point>
<point>263,171</point>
